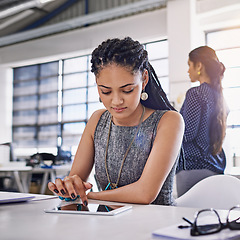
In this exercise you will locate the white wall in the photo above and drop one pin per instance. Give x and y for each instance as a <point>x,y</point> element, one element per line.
<point>184,34</point>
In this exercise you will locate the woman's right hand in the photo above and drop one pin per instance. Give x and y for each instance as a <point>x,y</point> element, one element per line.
<point>71,187</point>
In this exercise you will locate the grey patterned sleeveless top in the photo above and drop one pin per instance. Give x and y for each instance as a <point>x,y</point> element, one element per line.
<point>120,138</point>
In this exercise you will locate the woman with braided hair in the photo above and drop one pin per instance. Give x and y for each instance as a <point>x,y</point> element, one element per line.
<point>133,146</point>
<point>204,112</point>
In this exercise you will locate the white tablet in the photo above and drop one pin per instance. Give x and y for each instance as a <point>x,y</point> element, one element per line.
<point>92,209</point>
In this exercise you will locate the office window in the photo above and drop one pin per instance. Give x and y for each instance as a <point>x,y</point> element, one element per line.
<point>78,92</point>
<point>35,104</point>
<point>158,57</point>
<point>53,101</point>
<point>25,101</point>
<point>227,45</point>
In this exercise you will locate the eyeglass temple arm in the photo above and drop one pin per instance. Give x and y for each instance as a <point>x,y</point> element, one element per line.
<point>184,226</point>
<point>188,221</point>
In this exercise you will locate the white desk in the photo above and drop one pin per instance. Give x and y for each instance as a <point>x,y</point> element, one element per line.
<point>21,174</point>
<point>27,221</point>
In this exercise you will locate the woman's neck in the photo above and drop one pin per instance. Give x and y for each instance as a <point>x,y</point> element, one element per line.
<point>205,79</point>
<point>132,120</point>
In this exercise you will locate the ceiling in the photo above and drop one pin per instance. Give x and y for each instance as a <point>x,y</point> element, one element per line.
<point>17,16</point>
<point>47,17</point>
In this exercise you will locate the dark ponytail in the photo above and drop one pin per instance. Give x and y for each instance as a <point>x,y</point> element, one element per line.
<point>215,70</point>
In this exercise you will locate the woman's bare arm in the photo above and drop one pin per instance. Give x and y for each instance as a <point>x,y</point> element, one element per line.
<point>75,184</point>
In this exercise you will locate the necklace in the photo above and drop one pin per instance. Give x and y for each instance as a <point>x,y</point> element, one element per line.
<point>115,185</point>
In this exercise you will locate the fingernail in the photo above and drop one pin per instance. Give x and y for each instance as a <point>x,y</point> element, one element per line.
<point>73,195</point>
<point>63,192</point>
<point>56,191</point>
<point>85,203</point>
<point>62,198</point>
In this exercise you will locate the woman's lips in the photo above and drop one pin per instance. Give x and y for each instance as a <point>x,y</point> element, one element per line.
<point>118,110</point>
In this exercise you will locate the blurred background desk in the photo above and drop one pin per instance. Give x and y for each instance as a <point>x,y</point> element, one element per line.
<point>20,176</point>
<point>20,173</point>
<point>51,173</point>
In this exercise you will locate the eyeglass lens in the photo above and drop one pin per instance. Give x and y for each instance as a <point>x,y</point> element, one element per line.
<point>207,222</point>
<point>233,219</point>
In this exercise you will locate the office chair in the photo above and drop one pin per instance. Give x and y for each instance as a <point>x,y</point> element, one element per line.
<point>218,191</point>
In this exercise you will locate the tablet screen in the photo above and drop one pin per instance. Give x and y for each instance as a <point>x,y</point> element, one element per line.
<point>78,207</point>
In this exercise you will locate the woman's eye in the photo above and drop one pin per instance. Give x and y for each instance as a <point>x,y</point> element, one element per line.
<point>106,92</point>
<point>129,91</point>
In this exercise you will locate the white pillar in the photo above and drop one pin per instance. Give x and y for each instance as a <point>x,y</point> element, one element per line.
<point>184,34</point>
<point>5,112</point>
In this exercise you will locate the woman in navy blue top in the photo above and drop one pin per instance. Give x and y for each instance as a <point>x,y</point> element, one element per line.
<point>204,112</point>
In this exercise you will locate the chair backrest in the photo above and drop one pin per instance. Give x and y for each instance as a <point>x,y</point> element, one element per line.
<point>218,191</point>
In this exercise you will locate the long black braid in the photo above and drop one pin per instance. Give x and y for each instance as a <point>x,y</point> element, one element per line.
<point>132,55</point>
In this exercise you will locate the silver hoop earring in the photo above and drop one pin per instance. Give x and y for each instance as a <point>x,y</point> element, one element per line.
<point>144,96</point>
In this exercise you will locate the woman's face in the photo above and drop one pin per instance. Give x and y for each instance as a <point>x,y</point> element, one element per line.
<point>193,71</point>
<point>120,92</point>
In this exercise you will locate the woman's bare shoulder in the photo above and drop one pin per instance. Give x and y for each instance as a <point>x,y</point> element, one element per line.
<point>97,114</point>
<point>93,120</point>
<point>172,118</point>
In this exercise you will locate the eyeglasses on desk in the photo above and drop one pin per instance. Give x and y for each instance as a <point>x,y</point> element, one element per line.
<point>207,221</point>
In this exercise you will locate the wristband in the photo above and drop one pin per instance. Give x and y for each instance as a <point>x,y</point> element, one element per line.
<point>69,199</point>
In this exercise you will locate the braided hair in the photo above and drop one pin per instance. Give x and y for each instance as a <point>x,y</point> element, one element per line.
<point>215,70</point>
<point>131,55</point>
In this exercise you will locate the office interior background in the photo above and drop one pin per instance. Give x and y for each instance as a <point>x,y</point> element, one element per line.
<point>47,92</point>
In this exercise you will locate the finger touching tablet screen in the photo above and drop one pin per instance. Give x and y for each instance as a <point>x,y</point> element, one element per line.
<point>92,209</point>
